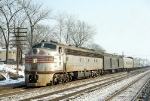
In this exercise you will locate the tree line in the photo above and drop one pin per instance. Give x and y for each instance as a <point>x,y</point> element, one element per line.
<point>31,15</point>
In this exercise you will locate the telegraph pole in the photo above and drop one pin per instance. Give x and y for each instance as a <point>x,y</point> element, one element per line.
<point>19,39</point>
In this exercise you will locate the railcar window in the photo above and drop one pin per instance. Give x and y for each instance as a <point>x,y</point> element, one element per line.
<point>37,45</point>
<point>51,46</point>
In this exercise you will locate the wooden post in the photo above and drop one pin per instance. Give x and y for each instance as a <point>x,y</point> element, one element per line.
<point>17,50</point>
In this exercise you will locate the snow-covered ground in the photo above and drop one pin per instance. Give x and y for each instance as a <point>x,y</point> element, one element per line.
<point>104,92</point>
<point>4,69</point>
<point>97,95</point>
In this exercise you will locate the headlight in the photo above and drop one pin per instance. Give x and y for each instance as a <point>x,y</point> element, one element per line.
<point>34,60</point>
<point>35,50</point>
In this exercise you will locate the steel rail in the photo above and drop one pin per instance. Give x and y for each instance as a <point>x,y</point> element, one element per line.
<point>12,92</point>
<point>118,78</point>
<point>124,88</point>
<point>140,91</point>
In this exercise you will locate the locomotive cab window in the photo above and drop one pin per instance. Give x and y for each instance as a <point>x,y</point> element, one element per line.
<point>37,45</point>
<point>51,46</point>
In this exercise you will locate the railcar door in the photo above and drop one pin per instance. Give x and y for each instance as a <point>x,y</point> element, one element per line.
<point>64,62</point>
<point>86,71</point>
<point>85,63</point>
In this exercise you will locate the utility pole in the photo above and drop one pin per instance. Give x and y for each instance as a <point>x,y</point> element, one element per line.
<point>19,39</point>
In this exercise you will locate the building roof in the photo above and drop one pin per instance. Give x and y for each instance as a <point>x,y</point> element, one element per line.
<point>10,49</point>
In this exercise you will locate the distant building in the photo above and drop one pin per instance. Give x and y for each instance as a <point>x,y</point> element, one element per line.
<point>11,55</point>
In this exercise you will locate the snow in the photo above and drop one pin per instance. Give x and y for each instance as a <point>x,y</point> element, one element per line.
<point>105,92</point>
<point>97,95</point>
<point>4,69</point>
<point>131,92</point>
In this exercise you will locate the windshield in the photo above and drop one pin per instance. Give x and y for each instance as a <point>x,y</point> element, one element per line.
<point>37,45</point>
<point>51,46</point>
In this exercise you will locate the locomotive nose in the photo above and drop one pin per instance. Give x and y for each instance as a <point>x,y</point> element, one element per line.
<point>35,50</point>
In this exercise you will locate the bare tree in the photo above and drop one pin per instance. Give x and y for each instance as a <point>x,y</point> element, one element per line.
<point>71,31</point>
<point>81,33</point>
<point>69,25</point>
<point>2,41</point>
<point>60,26</point>
<point>8,9</point>
<point>35,14</point>
<point>65,24</point>
<point>42,32</point>
<point>95,47</point>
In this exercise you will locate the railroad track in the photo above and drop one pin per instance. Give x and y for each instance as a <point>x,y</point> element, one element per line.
<point>93,88</point>
<point>120,93</point>
<point>143,93</point>
<point>19,91</point>
<point>66,94</point>
<point>28,94</point>
<point>6,89</point>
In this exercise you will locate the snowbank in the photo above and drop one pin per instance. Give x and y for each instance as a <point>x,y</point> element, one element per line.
<point>6,70</point>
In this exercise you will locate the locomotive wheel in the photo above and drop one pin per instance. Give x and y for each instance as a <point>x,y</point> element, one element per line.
<point>102,74</point>
<point>67,78</point>
<point>55,80</point>
<point>70,78</point>
<point>89,75</point>
<point>96,74</point>
<point>92,75</point>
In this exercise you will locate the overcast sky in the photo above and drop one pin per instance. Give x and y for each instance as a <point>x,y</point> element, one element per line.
<point>122,25</point>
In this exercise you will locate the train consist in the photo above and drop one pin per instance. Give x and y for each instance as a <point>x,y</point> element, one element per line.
<point>48,63</point>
